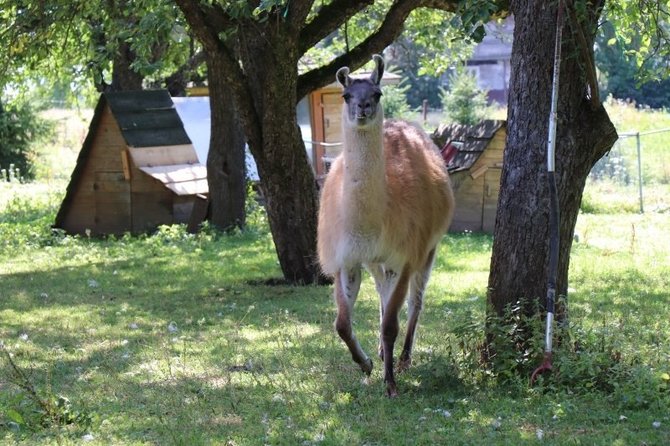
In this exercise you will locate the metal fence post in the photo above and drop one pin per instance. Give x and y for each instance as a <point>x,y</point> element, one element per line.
<point>639,171</point>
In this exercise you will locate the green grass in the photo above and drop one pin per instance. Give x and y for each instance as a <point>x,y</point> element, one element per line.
<point>175,339</point>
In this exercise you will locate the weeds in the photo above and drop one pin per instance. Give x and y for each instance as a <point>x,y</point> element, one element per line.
<point>31,409</point>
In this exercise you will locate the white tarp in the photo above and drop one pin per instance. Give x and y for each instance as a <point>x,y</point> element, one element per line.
<point>195,115</point>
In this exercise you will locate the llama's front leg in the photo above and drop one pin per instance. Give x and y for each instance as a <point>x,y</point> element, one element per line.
<point>414,306</point>
<point>347,284</point>
<point>390,329</point>
<point>386,280</point>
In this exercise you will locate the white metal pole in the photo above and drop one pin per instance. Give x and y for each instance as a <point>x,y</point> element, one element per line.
<point>639,171</point>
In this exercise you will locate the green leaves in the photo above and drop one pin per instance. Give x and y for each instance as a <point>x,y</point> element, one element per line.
<point>642,33</point>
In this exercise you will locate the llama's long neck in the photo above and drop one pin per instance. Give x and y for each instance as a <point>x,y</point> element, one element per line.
<point>365,175</point>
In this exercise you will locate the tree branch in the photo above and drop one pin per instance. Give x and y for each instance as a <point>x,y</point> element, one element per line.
<point>298,10</point>
<point>328,19</point>
<point>176,82</point>
<point>387,32</point>
<point>587,58</point>
<point>204,21</point>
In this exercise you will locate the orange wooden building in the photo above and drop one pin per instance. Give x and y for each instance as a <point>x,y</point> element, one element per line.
<point>474,157</point>
<point>137,169</point>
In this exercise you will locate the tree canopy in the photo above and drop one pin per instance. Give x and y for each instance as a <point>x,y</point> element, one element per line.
<point>80,45</point>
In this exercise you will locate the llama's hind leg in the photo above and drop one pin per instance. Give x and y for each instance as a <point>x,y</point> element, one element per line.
<point>414,306</point>
<point>390,328</point>
<point>347,284</point>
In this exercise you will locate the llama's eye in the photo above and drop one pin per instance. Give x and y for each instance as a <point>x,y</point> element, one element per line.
<point>346,97</point>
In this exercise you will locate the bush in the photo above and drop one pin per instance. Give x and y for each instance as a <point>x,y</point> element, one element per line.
<point>20,128</point>
<point>462,101</point>
<point>394,101</point>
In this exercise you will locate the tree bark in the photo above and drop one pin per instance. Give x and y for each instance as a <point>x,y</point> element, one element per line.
<point>287,181</point>
<point>124,78</point>
<point>585,133</point>
<point>225,160</point>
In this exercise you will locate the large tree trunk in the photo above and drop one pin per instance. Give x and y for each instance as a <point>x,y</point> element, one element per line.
<point>287,180</point>
<point>585,134</point>
<point>225,161</point>
<point>124,78</point>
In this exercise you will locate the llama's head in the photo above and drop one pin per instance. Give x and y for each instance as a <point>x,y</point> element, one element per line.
<point>361,96</point>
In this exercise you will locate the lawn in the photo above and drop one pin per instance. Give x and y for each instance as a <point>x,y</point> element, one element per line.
<point>178,339</point>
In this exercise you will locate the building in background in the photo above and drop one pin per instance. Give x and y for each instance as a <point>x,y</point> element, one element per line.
<point>490,62</point>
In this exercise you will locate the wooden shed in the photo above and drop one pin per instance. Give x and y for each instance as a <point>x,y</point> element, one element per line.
<point>137,169</point>
<point>474,157</point>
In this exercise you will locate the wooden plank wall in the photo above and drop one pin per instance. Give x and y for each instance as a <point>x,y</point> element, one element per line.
<point>151,202</point>
<point>104,158</point>
<point>469,202</point>
<point>112,202</point>
<point>477,198</point>
<point>490,202</point>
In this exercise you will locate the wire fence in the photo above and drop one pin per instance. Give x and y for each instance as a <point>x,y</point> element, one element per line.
<point>638,162</point>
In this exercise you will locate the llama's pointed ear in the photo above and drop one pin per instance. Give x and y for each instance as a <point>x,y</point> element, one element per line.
<point>378,72</point>
<point>342,77</point>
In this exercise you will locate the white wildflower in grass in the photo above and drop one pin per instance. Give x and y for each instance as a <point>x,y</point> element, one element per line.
<point>92,283</point>
<point>623,417</point>
<point>44,296</point>
<point>495,424</point>
<point>88,437</point>
<point>539,433</point>
<point>656,424</point>
<point>172,327</point>
<point>23,337</point>
<point>133,326</point>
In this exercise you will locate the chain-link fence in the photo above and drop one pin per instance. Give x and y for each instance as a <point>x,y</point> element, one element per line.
<point>635,174</point>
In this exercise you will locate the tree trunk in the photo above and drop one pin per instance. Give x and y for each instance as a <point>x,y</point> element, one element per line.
<point>521,238</point>
<point>287,180</point>
<point>225,161</point>
<point>124,78</point>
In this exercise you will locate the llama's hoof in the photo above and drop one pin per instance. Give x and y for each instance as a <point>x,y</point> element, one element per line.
<point>403,364</point>
<point>366,366</point>
<point>391,390</point>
